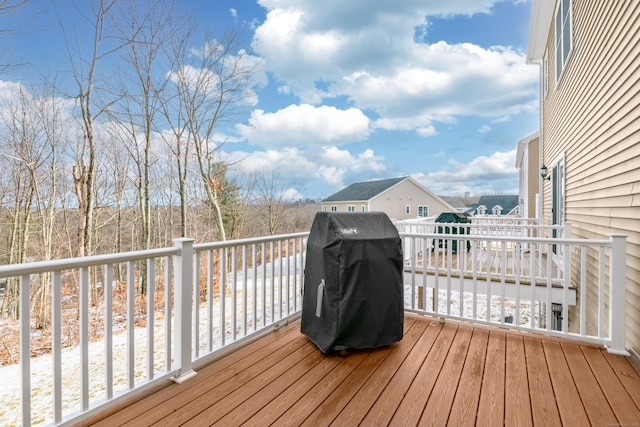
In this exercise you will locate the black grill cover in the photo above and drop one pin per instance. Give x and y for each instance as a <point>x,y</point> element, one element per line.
<point>353,292</point>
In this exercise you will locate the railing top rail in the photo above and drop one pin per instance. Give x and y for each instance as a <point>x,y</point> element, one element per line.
<point>37,267</point>
<point>12,270</point>
<point>239,242</point>
<point>551,240</point>
<point>419,220</point>
<point>503,224</point>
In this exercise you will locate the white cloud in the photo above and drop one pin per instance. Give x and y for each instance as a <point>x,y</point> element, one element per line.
<point>332,175</point>
<point>292,195</point>
<point>447,80</point>
<point>483,174</point>
<point>326,164</point>
<point>365,50</point>
<point>10,91</point>
<point>287,161</point>
<point>241,74</point>
<point>305,125</point>
<point>426,131</point>
<point>221,138</point>
<point>484,129</point>
<point>365,161</point>
<point>233,12</point>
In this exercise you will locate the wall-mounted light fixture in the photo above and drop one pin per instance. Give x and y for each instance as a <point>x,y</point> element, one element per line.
<point>543,172</point>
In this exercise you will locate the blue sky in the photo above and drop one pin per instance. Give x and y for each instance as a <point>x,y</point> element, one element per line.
<point>358,90</point>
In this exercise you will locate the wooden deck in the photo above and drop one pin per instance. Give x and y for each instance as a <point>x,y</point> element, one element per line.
<point>439,374</point>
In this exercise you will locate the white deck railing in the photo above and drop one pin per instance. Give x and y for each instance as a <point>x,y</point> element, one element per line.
<point>202,300</point>
<point>521,282</point>
<point>489,226</point>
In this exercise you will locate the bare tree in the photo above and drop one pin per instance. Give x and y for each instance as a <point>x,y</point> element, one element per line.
<point>23,141</point>
<point>272,195</point>
<point>177,138</point>
<point>48,113</point>
<point>85,68</point>
<point>7,7</point>
<point>148,28</point>
<point>214,82</point>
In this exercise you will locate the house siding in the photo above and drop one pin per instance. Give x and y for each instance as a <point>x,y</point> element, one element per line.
<point>592,118</point>
<point>344,206</point>
<point>394,200</point>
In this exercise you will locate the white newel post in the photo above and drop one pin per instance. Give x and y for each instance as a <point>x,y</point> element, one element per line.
<point>183,295</point>
<point>617,294</point>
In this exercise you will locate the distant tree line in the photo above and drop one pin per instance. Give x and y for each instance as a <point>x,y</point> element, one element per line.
<point>121,152</point>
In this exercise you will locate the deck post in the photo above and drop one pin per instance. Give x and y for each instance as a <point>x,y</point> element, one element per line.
<point>183,283</point>
<point>617,294</point>
<point>25,347</point>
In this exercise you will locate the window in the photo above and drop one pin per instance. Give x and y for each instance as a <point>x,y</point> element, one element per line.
<point>362,208</point>
<point>407,209</point>
<point>563,35</point>
<point>351,208</point>
<point>423,210</point>
<point>334,208</point>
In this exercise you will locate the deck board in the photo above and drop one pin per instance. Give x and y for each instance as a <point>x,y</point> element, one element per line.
<point>543,400</point>
<point>592,397</point>
<point>392,396</point>
<point>465,404</point>
<point>328,410</point>
<point>438,407</point>
<point>621,403</point>
<point>410,409</point>
<point>492,403</point>
<point>440,373</point>
<point>565,391</point>
<point>628,377</point>
<point>517,398</point>
<point>219,401</point>
<point>359,405</point>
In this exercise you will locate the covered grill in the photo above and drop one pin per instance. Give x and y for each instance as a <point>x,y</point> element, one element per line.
<point>353,292</point>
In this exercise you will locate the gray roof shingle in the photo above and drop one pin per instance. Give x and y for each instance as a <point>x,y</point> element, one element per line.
<point>362,191</point>
<point>508,202</point>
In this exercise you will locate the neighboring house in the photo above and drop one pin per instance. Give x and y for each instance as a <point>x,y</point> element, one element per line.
<point>528,165</point>
<point>494,205</point>
<point>399,198</point>
<point>456,203</point>
<point>587,51</point>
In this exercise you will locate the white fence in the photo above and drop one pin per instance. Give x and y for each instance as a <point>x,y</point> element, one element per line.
<point>521,283</point>
<point>154,315</point>
<point>503,225</point>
